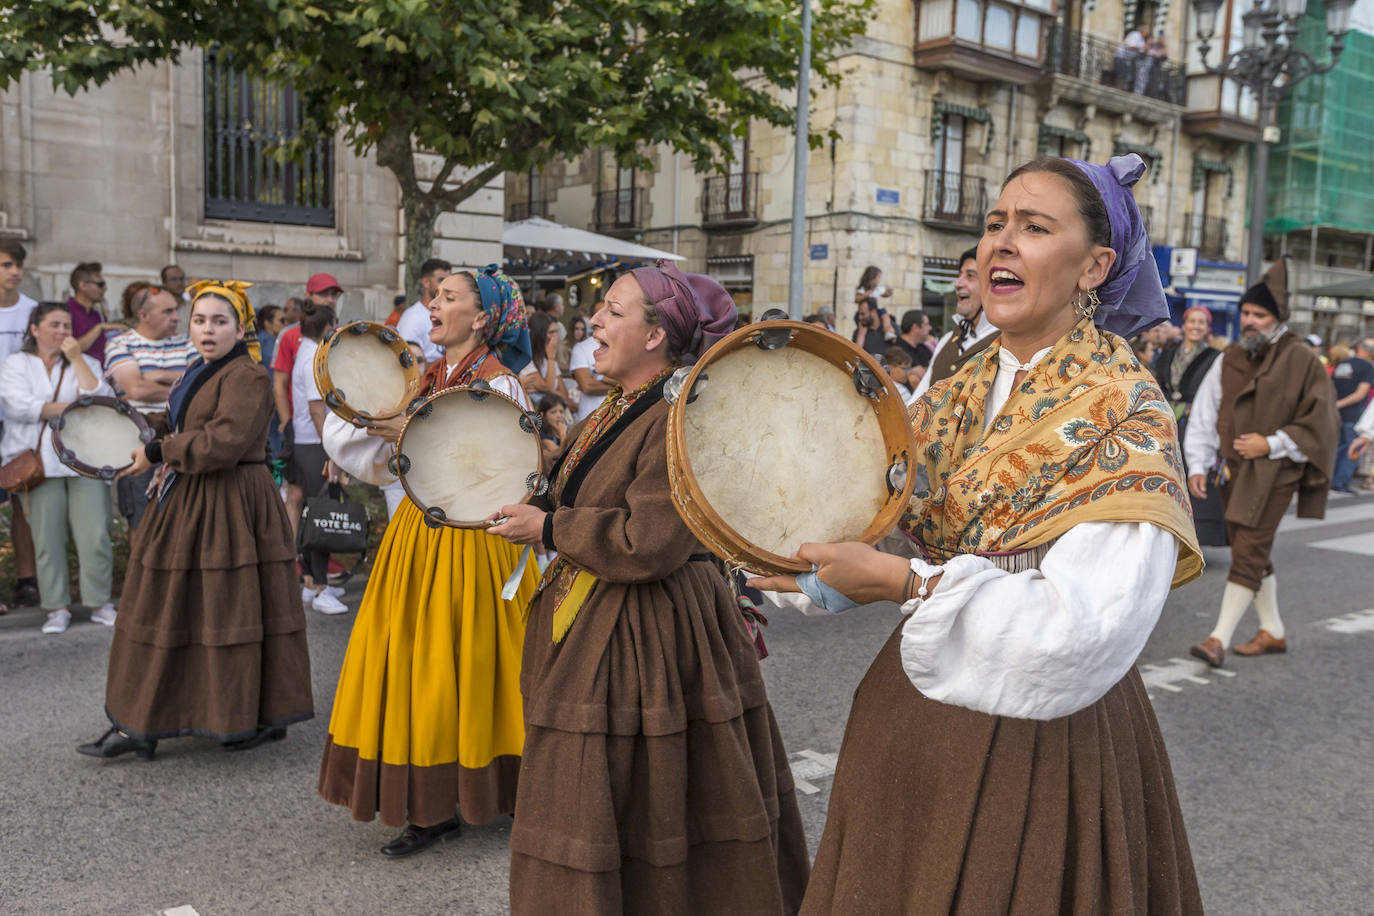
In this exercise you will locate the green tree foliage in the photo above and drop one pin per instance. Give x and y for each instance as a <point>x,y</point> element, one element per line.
<point>488,84</point>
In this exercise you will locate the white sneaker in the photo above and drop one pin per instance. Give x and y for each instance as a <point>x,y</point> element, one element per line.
<point>326,603</point>
<point>57,621</point>
<point>105,615</point>
<point>307,595</point>
<point>334,590</point>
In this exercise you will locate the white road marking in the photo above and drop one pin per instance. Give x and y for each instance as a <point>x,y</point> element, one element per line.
<point>808,765</point>
<point>1355,543</point>
<point>1358,622</point>
<point>1363,511</point>
<point>183,910</point>
<point>1169,675</point>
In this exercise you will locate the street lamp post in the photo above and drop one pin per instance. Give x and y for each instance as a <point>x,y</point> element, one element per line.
<point>1268,64</point>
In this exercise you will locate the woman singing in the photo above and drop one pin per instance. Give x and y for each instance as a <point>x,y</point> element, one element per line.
<point>1001,755</point>
<point>426,719</point>
<point>654,779</point>
<point>210,638</point>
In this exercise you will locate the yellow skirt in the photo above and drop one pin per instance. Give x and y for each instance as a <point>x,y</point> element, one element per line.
<point>427,716</point>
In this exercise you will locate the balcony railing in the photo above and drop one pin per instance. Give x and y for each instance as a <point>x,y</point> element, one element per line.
<point>524,209</point>
<point>620,210</point>
<point>730,200</point>
<point>1207,234</point>
<point>1110,63</point>
<point>955,200</point>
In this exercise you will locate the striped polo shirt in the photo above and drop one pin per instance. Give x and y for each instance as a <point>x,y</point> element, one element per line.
<point>173,352</point>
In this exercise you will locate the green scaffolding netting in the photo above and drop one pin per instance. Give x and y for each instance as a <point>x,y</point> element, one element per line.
<point>1321,173</point>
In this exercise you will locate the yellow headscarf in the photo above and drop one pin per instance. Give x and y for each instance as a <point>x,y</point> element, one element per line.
<point>233,292</point>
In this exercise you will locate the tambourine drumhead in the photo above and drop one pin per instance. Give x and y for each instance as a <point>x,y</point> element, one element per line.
<point>466,452</point>
<point>96,436</point>
<point>366,372</point>
<point>775,448</point>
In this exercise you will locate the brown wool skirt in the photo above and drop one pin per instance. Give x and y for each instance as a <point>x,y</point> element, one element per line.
<point>654,779</point>
<point>938,809</point>
<point>174,672</point>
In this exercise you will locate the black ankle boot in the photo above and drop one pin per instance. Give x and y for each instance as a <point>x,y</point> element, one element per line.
<point>413,839</point>
<point>113,743</point>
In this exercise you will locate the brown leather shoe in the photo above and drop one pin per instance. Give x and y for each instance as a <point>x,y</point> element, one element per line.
<point>1262,644</point>
<point>1210,651</point>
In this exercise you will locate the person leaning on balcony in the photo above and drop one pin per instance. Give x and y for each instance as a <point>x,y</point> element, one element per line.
<point>1127,64</point>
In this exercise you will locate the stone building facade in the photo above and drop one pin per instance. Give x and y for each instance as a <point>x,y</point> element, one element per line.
<point>167,165</point>
<point>939,101</point>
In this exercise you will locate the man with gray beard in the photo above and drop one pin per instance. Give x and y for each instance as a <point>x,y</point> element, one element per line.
<point>1264,424</point>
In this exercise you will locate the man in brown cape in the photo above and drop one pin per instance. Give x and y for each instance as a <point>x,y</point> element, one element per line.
<point>1268,409</point>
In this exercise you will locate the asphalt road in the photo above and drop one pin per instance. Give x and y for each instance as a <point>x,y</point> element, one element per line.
<point>1274,764</point>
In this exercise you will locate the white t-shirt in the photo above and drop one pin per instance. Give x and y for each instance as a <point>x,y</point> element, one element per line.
<point>414,327</point>
<point>582,359</point>
<point>303,391</point>
<point>14,321</point>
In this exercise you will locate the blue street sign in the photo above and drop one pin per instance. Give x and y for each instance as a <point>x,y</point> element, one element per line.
<point>889,196</point>
<point>820,252</point>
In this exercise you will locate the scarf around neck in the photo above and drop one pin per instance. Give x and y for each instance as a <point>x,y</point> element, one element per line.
<point>1085,437</point>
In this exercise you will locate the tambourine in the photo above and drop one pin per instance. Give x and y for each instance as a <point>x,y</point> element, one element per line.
<point>95,435</point>
<point>784,434</point>
<point>467,451</point>
<point>366,372</point>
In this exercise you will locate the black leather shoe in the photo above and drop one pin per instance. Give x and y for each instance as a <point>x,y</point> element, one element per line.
<point>263,735</point>
<point>113,743</point>
<point>413,839</point>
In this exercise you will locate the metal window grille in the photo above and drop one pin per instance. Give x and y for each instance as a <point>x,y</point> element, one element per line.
<point>245,117</point>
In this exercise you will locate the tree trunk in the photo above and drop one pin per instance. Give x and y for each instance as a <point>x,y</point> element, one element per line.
<point>421,212</point>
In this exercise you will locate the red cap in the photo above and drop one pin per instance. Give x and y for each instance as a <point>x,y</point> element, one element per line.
<point>321,282</point>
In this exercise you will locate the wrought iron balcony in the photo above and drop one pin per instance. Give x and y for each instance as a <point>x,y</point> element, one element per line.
<point>955,201</point>
<point>619,211</point>
<point>1111,64</point>
<point>1207,234</point>
<point>730,200</point>
<point>524,209</point>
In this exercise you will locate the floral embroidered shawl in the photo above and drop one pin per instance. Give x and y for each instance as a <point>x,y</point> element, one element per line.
<point>1086,437</point>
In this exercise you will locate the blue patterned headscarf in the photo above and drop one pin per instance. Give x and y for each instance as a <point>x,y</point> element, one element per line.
<point>507,331</point>
<point>1132,295</point>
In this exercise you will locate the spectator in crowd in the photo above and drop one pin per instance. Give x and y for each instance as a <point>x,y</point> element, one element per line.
<point>1129,62</point>
<point>143,364</point>
<point>540,375</point>
<point>36,384</point>
<point>87,320</point>
<point>589,382</point>
<point>577,331</point>
<point>414,324</point>
<point>899,367</point>
<point>291,312</point>
<point>1144,349</point>
<point>827,316</point>
<point>873,327</point>
<point>1353,378</point>
<point>321,291</point>
<point>871,286</point>
<point>174,281</point>
<point>972,333</point>
<point>398,308</point>
<point>914,340</point>
<point>310,467</point>
<point>554,411</point>
<point>15,308</point>
<point>126,300</point>
<point>817,320</point>
<point>271,322</point>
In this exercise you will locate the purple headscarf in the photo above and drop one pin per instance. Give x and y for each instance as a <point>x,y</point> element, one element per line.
<point>694,310</point>
<point>1132,295</point>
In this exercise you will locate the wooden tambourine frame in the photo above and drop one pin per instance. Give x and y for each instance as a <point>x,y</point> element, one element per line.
<point>337,400</point>
<point>419,412</point>
<point>871,381</point>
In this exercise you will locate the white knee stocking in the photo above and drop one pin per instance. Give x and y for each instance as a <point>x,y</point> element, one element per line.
<point>1267,605</point>
<point>1234,601</point>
